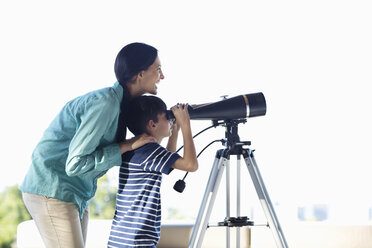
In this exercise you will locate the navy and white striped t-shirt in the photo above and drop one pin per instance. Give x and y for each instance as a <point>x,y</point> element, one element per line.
<point>138,211</point>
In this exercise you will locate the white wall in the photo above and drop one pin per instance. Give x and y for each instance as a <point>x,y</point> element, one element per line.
<point>312,60</point>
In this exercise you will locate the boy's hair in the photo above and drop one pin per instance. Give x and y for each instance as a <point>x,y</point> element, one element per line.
<point>141,110</point>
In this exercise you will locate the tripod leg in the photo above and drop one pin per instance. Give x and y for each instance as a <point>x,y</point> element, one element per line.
<point>238,198</point>
<point>264,199</point>
<point>228,203</point>
<point>214,180</point>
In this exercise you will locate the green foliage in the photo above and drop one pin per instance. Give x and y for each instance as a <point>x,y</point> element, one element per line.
<point>12,212</point>
<point>102,206</point>
<point>175,214</point>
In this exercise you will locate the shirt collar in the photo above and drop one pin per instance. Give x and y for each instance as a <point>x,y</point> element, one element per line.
<point>118,90</point>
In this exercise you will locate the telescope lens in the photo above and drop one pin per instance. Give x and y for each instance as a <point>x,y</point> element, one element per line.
<point>256,104</point>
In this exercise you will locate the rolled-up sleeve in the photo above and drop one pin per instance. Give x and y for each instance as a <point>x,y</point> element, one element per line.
<point>85,152</point>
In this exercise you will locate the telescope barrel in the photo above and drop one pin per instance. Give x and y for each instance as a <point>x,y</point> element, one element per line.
<point>238,107</point>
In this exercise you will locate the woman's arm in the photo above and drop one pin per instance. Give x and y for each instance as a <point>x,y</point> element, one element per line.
<point>85,150</point>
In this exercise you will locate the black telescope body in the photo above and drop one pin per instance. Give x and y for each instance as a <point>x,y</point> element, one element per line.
<point>238,107</point>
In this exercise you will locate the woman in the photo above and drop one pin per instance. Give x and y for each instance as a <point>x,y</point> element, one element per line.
<point>85,140</point>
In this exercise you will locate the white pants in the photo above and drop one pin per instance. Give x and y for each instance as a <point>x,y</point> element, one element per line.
<point>58,222</point>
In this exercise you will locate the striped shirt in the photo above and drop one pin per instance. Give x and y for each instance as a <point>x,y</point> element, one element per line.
<point>138,210</point>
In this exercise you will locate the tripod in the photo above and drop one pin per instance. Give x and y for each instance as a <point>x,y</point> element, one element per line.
<point>222,160</point>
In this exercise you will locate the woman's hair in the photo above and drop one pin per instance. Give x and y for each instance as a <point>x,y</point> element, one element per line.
<point>141,110</point>
<point>132,59</point>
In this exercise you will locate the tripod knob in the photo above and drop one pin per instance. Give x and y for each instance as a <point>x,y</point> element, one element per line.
<point>179,186</point>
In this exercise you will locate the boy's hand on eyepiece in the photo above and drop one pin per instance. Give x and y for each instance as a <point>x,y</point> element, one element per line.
<point>180,111</point>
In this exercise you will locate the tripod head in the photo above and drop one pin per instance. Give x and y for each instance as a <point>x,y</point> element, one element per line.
<point>232,139</point>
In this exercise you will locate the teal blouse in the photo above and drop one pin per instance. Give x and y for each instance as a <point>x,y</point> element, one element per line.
<point>77,148</point>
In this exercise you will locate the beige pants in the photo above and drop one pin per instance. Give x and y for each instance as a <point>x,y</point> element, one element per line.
<point>58,222</point>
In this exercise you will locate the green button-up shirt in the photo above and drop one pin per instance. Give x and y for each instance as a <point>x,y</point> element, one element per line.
<point>77,148</point>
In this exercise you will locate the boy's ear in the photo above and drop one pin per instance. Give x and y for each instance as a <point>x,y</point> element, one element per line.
<point>140,74</point>
<point>151,125</point>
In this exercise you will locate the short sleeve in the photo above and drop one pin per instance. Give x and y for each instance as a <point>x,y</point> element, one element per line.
<point>153,157</point>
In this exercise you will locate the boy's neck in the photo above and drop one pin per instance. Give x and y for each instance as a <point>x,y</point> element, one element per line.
<point>158,138</point>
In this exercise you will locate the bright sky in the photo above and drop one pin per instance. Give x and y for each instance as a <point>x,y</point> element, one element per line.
<point>311,59</point>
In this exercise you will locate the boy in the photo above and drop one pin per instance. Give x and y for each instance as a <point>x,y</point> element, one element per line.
<point>137,217</point>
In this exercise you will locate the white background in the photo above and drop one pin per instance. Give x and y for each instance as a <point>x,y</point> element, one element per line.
<point>311,59</point>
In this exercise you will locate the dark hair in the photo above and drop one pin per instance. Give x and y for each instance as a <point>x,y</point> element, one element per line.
<point>132,59</point>
<point>141,110</point>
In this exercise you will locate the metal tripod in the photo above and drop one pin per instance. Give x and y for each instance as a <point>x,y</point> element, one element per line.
<point>222,160</point>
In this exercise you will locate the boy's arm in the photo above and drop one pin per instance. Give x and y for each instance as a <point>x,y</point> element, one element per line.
<point>189,161</point>
<point>172,141</point>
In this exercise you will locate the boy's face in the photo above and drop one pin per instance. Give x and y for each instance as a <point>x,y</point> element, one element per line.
<point>163,128</point>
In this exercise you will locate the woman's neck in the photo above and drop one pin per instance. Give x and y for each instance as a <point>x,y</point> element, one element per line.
<point>134,89</point>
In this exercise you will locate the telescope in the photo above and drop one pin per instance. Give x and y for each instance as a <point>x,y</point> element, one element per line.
<point>238,107</point>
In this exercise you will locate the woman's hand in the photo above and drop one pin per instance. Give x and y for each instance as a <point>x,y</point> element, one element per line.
<point>136,142</point>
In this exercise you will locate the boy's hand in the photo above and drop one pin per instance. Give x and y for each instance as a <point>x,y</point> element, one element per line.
<point>189,161</point>
<point>181,113</point>
<point>175,128</point>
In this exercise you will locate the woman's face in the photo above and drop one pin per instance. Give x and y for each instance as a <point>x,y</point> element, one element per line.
<point>151,77</point>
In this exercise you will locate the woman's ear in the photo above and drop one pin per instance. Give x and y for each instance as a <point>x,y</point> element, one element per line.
<point>134,79</point>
